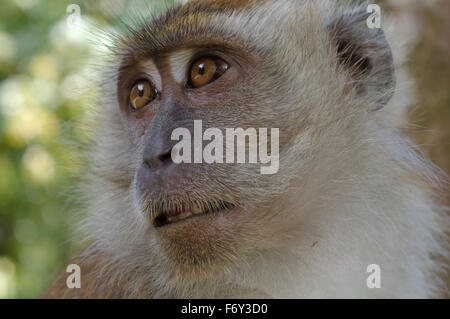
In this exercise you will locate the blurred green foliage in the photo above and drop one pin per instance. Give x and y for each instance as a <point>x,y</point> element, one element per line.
<point>44,66</point>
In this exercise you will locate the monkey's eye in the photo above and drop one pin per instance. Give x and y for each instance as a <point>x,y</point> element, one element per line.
<point>142,94</point>
<point>206,70</point>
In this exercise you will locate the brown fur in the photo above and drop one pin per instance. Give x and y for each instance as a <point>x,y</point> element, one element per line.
<point>184,25</point>
<point>94,283</point>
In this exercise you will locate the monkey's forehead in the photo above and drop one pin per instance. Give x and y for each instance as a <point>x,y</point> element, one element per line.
<point>195,22</point>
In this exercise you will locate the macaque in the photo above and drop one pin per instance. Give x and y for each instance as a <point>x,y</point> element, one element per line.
<point>351,191</point>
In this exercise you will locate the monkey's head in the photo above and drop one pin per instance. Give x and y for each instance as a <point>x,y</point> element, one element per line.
<point>308,68</point>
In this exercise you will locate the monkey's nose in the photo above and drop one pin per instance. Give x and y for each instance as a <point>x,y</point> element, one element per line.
<point>158,161</point>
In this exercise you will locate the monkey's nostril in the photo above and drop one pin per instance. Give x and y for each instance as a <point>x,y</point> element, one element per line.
<point>165,157</point>
<point>159,161</point>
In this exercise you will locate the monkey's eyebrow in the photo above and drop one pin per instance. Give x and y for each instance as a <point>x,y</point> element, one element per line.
<point>146,43</point>
<point>185,26</point>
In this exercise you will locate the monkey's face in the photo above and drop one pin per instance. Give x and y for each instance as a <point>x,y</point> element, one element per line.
<point>200,213</point>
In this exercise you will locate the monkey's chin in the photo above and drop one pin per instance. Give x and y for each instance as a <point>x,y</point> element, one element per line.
<point>196,246</point>
<point>167,217</point>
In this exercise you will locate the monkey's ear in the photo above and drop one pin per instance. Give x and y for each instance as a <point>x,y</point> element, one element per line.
<point>366,55</point>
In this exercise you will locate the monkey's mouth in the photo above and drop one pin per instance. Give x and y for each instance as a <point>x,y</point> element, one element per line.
<point>167,217</point>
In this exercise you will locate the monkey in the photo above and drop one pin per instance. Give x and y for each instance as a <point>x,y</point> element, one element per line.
<point>351,190</point>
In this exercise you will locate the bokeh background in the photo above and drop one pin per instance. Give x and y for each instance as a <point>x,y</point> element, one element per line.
<point>45,64</point>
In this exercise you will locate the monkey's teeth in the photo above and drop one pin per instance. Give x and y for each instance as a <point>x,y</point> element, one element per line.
<point>196,210</point>
<point>179,216</point>
<point>169,217</point>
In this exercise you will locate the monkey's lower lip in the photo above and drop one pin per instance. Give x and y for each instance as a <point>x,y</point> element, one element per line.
<point>170,217</point>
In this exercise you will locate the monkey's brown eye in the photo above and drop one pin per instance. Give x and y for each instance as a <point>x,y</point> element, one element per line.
<point>142,94</point>
<point>206,70</point>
